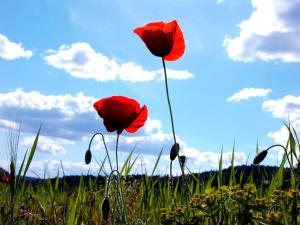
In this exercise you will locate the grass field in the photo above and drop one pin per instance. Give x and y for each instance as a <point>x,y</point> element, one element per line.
<point>237,197</point>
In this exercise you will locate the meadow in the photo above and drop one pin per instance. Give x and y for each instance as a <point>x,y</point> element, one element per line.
<point>237,197</point>
<point>248,195</point>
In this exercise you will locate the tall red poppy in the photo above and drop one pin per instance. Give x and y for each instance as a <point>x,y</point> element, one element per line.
<point>163,39</point>
<point>119,113</point>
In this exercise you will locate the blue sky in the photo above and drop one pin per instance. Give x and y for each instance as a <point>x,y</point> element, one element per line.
<point>237,81</point>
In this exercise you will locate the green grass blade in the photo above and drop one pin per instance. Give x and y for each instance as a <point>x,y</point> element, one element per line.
<point>220,175</point>
<point>72,216</point>
<point>277,180</point>
<point>292,141</point>
<point>56,180</point>
<point>126,163</point>
<point>21,168</point>
<point>298,143</point>
<point>156,163</point>
<point>32,151</point>
<point>130,167</point>
<point>232,172</point>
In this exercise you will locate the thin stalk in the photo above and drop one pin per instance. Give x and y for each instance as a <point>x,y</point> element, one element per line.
<point>168,98</point>
<point>117,142</point>
<point>119,199</point>
<point>172,183</point>
<point>287,156</point>
<point>104,146</point>
<point>173,128</point>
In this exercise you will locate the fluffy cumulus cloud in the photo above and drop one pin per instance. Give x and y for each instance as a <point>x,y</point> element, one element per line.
<point>286,108</point>
<point>62,116</point>
<point>53,146</point>
<point>66,119</point>
<point>151,140</point>
<point>10,50</point>
<point>81,60</point>
<point>247,93</point>
<point>272,32</point>
<point>212,158</point>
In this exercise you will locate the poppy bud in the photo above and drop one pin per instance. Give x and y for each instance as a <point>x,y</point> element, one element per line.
<point>105,208</point>
<point>88,156</point>
<point>174,151</point>
<point>182,160</point>
<point>260,157</point>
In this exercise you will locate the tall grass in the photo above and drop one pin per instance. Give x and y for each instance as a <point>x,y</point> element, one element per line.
<point>146,199</point>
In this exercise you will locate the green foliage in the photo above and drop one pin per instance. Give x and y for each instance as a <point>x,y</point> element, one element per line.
<point>231,198</point>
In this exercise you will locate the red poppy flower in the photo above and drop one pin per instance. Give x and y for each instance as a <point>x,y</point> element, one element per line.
<point>5,179</point>
<point>163,39</point>
<point>121,113</point>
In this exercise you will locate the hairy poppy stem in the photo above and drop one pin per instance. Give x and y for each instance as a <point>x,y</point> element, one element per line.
<point>117,142</point>
<point>173,128</point>
<point>104,147</point>
<point>168,97</point>
<point>287,156</point>
<point>120,199</point>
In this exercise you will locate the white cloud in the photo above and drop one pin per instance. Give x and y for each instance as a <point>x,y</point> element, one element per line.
<point>271,33</point>
<point>9,124</point>
<point>287,107</point>
<point>10,50</point>
<point>66,104</point>
<point>247,93</point>
<point>63,116</point>
<point>46,144</point>
<point>66,119</point>
<point>175,74</point>
<point>220,1</point>
<point>212,158</point>
<point>281,137</point>
<point>151,140</point>
<point>82,61</point>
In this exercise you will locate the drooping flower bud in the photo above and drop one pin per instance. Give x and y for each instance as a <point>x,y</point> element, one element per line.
<point>182,160</point>
<point>260,157</point>
<point>88,156</point>
<point>105,208</point>
<point>174,151</point>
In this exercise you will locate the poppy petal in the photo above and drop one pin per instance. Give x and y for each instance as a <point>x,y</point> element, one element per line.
<point>119,113</point>
<point>139,120</point>
<point>178,44</point>
<point>163,39</point>
<point>157,41</point>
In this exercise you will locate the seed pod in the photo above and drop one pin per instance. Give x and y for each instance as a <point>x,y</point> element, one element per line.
<point>88,156</point>
<point>260,157</point>
<point>182,160</point>
<point>105,208</point>
<point>174,151</point>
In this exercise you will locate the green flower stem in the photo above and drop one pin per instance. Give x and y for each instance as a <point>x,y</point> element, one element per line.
<point>287,156</point>
<point>173,128</point>
<point>168,97</point>
<point>119,195</point>
<point>117,142</point>
<point>104,146</point>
